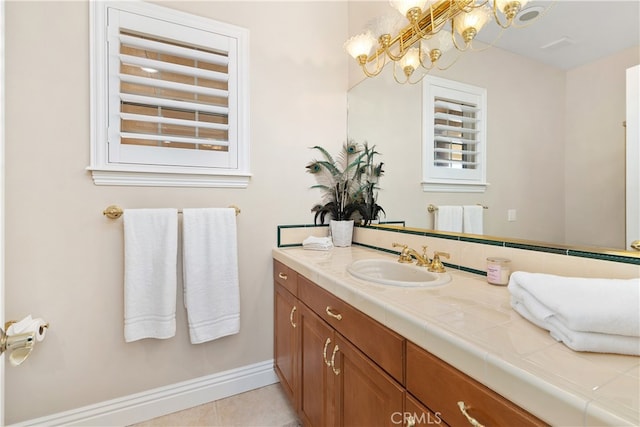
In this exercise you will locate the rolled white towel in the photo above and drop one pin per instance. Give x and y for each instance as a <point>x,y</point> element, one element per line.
<point>606,306</point>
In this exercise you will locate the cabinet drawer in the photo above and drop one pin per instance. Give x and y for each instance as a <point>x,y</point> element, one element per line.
<point>285,276</point>
<point>380,343</point>
<point>440,387</point>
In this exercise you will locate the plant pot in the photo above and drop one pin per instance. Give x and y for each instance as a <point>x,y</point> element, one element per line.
<point>341,233</point>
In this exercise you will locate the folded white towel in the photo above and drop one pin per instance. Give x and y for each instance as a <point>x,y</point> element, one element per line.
<point>210,271</point>
<point>317,243</point>
<point>150,281</point>
<point>448,218</point>
<point>472,219</point>
<point>582,341</point>
<point>608,306</point>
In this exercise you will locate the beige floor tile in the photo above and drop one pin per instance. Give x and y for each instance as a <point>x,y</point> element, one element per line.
<point>263,407</point>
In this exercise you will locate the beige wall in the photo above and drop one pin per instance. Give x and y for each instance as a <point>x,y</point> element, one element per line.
<point>595,150</point>
<point>64,260</point>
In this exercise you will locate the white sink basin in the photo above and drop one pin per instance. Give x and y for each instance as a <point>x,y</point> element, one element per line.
<point>387,272</point>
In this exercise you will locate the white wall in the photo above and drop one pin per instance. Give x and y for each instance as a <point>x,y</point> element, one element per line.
<point>64,260</point>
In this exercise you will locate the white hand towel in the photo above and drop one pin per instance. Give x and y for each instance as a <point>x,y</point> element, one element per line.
<point>472,219</point>
<point>448,218</point>
<point>150,273</point>
<point>317,243</point>
<point>582,341</point>
<point>608,306</point>
<point>210,271</point>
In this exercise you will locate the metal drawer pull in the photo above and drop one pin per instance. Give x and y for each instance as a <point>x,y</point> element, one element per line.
<point>324,352</point>
<point>293,310</point>
<point>333,360</point>
<point>472,421</point>
<point>330,312</point>
<point>282,276</point>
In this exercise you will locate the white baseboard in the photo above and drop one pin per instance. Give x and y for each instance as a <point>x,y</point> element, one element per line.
<point>164,400</point>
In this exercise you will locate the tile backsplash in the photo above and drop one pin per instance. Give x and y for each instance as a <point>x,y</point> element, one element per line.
<point>470,254</point>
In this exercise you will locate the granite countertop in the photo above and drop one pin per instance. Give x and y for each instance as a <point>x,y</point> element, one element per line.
<point>471,325</point>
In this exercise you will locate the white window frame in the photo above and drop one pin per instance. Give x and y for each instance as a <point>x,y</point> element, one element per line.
<point>106,168</point>
<point>446,179</point>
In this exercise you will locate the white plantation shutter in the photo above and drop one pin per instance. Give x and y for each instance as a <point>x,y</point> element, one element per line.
<point>176,97</point>
<point>454,134</point>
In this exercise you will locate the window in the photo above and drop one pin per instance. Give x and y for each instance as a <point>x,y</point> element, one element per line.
<point>454,136</point>
<point>169,98</point>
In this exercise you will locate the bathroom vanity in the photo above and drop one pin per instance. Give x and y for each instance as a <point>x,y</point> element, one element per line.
<point>353,352</point>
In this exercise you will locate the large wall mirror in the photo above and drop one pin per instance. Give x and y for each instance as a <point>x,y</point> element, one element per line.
<point>556,134</point>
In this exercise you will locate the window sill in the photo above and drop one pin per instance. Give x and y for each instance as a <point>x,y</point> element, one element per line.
<point>455,187</point>
<point>164,179</point>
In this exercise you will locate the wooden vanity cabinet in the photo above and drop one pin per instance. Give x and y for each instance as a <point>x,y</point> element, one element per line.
<point>384,346</point>
<point>328,378</point>
<point>340,367</point>
<point>441,387</point>
<point>286,330</point>
<point>418,415</point>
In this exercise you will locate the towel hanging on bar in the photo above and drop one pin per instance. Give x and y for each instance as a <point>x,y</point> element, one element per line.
<point>115,211</point>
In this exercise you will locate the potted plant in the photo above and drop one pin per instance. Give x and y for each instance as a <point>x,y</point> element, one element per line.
<point>369,176</point>
<point>341,183</point>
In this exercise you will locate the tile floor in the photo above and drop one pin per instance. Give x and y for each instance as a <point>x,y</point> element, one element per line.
<point>263,407</point>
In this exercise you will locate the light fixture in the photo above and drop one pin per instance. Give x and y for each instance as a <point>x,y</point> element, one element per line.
<point>420,44</point>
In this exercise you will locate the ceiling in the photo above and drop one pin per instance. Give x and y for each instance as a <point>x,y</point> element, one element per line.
<point>575,32</point>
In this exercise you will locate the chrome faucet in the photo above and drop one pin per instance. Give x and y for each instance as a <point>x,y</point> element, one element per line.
<point>407,254</point>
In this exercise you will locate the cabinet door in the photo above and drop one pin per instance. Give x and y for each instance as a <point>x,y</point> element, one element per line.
<point>286,318</point>
<point>316,377</point>
<point>418,415</point>
<point>364,394</point>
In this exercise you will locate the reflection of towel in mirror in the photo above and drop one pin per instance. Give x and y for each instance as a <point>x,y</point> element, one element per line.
<point>472,219</point>
<point>600,315</point>
<point>448,218</point>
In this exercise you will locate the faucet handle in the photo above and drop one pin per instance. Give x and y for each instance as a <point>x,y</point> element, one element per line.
<point>436,264</point>
<point>404,253</point>
<point>424,261</point>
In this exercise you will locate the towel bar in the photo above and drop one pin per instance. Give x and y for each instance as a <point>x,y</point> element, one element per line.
<point>433,208</point>
<point>115,211</point>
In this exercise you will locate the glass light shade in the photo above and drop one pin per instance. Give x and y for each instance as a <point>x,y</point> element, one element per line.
<point>389,23</point>
<point>411,58</point>
<point>474,19</point>
<point>404,6</point>
<point>360,44</point>
<point>502,4</point>
<point>441,41</point>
